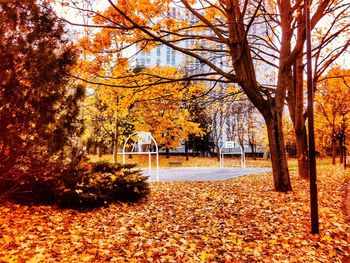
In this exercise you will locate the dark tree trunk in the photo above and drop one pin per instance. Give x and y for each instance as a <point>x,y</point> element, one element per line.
<point>218,152</point>
<point>278,156</point>
<point>115,140</point>
<point>112,147</point>
<point>99,150</point>
<point>302,152</point>
<point>193,149</point>
<point>334,150</point>
<point>186,150</point>
<point>95,148</point>
<point>341,149</point>
<point>253,151</point>
<point>167,152</point>
<point>297,114</point>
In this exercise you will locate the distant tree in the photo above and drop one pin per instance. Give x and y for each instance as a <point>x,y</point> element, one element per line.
<point>199,114</point>
<point>38,109</point>
<point>289,134</point>
<point>332,112</point>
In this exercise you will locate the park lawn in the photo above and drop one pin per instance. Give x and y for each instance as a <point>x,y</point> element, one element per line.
<point>237,220</point>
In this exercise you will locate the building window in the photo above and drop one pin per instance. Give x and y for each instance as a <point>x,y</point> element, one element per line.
<point>192,42</point>
<point>142,61</point>
<point>173,57</point>
<point>173,12</point>
<point>168,55</point>
<point>158,51</point>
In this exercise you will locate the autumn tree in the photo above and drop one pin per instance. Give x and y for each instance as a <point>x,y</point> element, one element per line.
<point>332,110</point>
<point>289,134</point>
<point>160,109</point>
<point>199,109</point>
<point>38,112</point>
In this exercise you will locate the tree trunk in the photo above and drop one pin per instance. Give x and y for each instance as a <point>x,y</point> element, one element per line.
<point>99,150</point>
<point>115,141</point>
<point>278,155</point>
<point>193,149</point>
<point>167,152</point>
<point>302,152</point>
<point>341,150</point>
<point>334,150</point>
<point>253,152</point>
<point>218,152</point>
<point>112,146</point>
<point>186,150</point>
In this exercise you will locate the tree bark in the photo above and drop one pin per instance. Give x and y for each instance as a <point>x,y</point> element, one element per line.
<point>186,150</point>
<point>334,150</point>
<point>253,152</point>
<point>341,149</point>
<point>296,110</point>
<point>115,140</point>
<point>167,152</point>
<point>302,153</point>
<point>278,156</point>
<point>218,152</point>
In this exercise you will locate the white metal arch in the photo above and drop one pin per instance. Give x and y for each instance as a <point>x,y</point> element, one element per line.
<point>231,145</point>
<point>140,137</point>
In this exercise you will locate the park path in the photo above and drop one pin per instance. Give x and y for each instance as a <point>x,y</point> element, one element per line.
<point>202,174</point>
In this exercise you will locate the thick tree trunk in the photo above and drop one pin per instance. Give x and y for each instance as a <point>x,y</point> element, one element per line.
<point>278,155</point>
<point>167,152</point>
<point>297,114</point>
<point>302,152</point>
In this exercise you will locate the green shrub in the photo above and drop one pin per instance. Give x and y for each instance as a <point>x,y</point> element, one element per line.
<point>96,184</point>
<point>79,184</point>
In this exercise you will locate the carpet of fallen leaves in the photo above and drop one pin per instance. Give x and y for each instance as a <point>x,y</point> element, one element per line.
<point>238,220</point>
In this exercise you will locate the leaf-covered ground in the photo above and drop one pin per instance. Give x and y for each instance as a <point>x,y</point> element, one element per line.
<point>230,161</point>
<point>238,220</point>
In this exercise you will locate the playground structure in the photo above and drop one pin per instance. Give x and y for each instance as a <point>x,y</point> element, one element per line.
<point>143,142</point>
<point>232,148</point>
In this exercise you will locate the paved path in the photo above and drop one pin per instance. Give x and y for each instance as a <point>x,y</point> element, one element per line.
<point>202,174</point>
